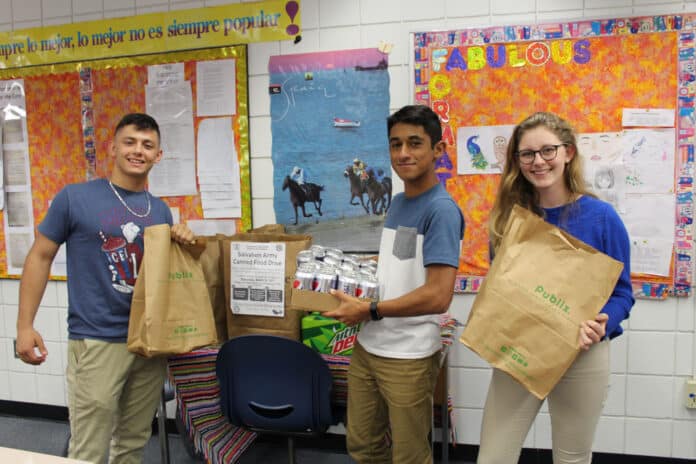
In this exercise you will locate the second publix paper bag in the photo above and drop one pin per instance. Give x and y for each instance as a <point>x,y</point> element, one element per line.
<point>170,311</point>
<point>542,284</point>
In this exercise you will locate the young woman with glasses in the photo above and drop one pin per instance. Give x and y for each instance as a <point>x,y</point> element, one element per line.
<point>543,173</point>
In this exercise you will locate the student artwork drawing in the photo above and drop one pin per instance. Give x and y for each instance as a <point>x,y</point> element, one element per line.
<point>609,184</point>
<point>649,158</point>
<point>603,166</point>
<point>600,147</point>
<point>636,161</point>
<point>481,149</point>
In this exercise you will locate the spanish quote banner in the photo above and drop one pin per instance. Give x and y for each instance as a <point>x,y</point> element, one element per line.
<point>152,33</point>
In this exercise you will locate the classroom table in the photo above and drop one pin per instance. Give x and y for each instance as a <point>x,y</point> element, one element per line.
<point>15,456</point>
<point>218,441</point>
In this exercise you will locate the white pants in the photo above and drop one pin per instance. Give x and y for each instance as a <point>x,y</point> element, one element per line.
<point>575,405</point>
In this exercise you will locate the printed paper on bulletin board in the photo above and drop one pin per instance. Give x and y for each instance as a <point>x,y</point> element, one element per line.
<point>498,76</point>
<point>55,122</point>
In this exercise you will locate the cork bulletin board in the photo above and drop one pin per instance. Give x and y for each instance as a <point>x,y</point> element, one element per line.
<point>587,72</point>
<point>72,109</point>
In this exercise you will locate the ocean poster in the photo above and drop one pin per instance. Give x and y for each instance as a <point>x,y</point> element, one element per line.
<point>331,169</point>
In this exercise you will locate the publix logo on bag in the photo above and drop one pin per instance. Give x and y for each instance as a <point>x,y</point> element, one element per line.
<point>514,355</point>
<point>184,329</point>
<point>552,298</point>
<point>179,275</point>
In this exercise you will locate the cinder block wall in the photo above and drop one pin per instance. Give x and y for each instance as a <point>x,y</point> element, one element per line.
<point>644,413</point>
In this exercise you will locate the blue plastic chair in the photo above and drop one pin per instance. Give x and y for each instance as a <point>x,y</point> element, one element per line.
<point>271,384</point>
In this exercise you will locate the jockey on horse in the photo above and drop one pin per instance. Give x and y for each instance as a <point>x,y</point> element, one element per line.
<point>300,176</point>
<point>360,169</point>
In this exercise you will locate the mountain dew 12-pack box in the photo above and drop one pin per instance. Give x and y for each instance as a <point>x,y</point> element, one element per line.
<point>328,336</point>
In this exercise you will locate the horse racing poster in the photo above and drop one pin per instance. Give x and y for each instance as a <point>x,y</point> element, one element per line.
<point>331,168</point>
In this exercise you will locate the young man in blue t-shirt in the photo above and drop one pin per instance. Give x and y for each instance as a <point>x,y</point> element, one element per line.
<point>395,362</point>
<point>112,393</point>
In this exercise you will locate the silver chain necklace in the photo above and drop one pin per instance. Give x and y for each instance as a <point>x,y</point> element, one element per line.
<point>146,214</point>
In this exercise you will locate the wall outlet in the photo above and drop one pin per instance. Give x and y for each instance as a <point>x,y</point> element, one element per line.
<point>690,394</point>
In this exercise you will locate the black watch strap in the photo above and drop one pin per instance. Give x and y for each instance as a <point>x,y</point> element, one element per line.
<point>374,314</point>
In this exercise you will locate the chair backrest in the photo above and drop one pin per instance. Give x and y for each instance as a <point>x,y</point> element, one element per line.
<point>270,383</point>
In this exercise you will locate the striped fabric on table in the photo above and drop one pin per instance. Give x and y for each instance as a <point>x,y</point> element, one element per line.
<point>339,372</point>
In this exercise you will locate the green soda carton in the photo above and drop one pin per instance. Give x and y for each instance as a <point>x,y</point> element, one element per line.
<point>328,336</point>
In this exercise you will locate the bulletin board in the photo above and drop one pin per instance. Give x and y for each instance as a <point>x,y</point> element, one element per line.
<point>64,148</point>
<point>587,72</point>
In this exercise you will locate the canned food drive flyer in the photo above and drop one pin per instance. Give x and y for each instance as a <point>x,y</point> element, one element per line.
<point>257,278</point>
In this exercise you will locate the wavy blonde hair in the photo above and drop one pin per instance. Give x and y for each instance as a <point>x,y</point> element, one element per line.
<point>514,189</point>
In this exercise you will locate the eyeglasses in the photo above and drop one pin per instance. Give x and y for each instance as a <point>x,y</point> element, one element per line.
<point>547,152</point>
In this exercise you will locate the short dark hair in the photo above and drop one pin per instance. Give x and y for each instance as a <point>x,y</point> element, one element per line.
<point>418,115</point>
<point>141,121</point>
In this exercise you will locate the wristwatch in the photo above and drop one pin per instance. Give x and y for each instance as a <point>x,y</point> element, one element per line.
<point>374,314</point>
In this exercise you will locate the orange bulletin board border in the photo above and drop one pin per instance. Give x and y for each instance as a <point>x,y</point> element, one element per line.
<point>58,142</point>
<point>585,71</point>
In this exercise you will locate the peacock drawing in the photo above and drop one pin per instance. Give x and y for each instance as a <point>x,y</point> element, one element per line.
<point>478,161</point>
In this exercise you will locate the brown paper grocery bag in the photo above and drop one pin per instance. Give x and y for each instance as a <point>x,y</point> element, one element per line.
<point>269,229</point>
<point>287,326</point>
<point>212,265</point>
<point>170,311</point>
<point>542,284</point>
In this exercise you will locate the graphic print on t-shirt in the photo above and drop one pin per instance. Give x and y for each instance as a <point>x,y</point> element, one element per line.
<point>123,256</point>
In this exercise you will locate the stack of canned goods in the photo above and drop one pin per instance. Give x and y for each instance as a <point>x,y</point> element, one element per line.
<point>321,269</point>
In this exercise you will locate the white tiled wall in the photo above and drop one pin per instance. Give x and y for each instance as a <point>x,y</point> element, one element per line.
<point>44,384</point>
<point>644,413</point>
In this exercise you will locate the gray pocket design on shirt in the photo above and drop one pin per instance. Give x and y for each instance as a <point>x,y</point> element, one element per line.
<point>405,243</point>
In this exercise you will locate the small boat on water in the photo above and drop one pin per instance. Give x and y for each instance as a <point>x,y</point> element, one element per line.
<point>340,122</point>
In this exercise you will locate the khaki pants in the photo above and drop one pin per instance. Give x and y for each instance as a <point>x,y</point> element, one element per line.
<point>112,398</point>
<point>396,393</point>
<point>575,405</point>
